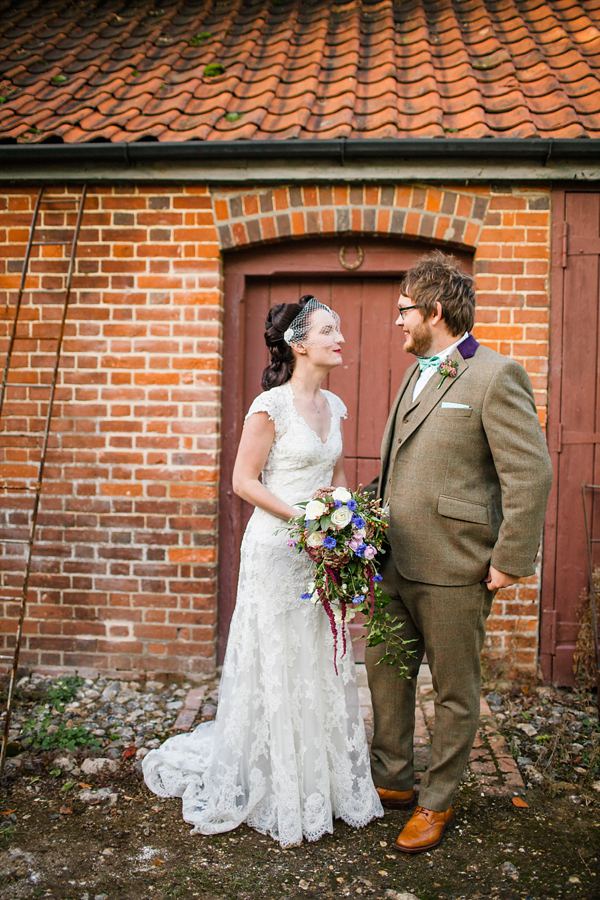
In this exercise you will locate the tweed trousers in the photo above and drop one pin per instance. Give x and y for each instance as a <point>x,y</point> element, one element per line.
<point>447,623</point>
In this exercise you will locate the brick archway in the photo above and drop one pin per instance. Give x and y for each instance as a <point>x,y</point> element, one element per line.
<point>424,213</point>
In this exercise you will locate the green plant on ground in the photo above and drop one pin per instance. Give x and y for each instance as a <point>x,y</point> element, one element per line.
<point>6,833</point>
<point>63,690</point>
<point>63,737</point>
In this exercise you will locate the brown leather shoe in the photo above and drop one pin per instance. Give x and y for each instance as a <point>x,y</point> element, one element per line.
<point>397,799</point>
<point>424,830</point>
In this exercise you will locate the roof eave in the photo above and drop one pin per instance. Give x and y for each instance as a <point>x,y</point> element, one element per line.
<point>346,159</point>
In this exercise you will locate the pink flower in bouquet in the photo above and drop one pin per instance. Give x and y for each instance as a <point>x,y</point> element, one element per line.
<point>354,543</point>
<point>370,551</point>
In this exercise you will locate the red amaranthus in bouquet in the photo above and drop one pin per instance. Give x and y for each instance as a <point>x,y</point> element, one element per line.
<point>343,532</point>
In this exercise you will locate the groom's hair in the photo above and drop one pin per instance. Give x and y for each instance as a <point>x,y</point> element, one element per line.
<point>437,277</point>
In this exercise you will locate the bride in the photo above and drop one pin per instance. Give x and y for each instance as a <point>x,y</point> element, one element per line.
<point>287,752</point>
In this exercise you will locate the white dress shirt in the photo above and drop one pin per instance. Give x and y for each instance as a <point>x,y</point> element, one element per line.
<point>428,373</point>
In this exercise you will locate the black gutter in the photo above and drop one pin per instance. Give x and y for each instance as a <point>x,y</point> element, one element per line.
<point>128,155</point>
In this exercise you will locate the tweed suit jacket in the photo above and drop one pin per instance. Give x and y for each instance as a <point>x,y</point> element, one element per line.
<point>469,475</point>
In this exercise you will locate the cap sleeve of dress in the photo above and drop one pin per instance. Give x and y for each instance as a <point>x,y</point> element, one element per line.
<point>268,401</point>
<point>337,406</point>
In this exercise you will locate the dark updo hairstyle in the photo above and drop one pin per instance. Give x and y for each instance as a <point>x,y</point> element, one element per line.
<point>278,320</point>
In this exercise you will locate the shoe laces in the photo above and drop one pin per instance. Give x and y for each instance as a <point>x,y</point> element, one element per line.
<point>427,813</point>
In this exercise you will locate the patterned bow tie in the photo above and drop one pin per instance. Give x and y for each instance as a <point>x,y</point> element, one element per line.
<point>426,361</point>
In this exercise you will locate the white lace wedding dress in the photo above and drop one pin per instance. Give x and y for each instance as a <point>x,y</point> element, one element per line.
<point>287,752</point>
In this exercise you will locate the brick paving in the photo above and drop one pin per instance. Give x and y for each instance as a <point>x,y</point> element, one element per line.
<point>190,709</point>
<point>491,766</point>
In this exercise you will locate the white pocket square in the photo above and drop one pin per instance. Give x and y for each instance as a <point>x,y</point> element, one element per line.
<point>454,405</point>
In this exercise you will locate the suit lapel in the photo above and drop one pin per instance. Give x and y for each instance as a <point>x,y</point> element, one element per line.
<point>427,400</point>
<point>432,394</point>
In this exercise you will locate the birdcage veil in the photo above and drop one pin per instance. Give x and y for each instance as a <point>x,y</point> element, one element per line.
<point>299,329</point>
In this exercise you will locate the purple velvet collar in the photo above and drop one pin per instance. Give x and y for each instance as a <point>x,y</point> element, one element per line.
<point>468,347</point>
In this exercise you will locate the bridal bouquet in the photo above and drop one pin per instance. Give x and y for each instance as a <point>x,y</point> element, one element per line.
<point>343,532</point>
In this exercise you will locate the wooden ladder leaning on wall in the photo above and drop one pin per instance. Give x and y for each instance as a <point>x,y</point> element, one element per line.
<point>23,453</point>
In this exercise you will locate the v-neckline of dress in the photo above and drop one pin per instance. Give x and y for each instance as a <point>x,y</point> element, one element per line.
<point>303,420</point>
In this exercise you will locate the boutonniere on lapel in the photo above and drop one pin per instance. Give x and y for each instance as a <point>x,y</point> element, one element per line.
<point>447,369</point>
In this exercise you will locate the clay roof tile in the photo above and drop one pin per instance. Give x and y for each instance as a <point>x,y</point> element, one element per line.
<point>300,68</point>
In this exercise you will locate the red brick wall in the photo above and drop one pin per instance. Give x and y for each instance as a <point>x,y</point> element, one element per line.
<point>124,573</point>
<point>124,576</point>
<point>512,266</point>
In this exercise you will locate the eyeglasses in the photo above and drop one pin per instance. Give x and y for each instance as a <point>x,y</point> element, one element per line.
<point>404,309</point>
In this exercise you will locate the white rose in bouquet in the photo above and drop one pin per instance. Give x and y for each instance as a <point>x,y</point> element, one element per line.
<point>315,539</point>
<point>342,494</point>
<point>314,509</point>
<point>341,516</point>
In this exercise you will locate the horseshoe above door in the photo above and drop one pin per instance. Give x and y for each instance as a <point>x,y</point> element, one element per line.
<point>348,265</point>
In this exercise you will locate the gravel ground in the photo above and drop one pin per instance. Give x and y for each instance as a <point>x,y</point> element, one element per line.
<point>77,823</point>
<point>70,719</point>
<point>552,733</point>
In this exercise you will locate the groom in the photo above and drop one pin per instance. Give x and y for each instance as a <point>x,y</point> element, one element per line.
<point>467,475</point>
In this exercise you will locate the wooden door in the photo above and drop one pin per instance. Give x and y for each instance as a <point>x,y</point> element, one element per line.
<point>365,299</point>
<point>573,424</point>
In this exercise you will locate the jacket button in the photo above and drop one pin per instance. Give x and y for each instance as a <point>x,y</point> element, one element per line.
<point>405,420</point>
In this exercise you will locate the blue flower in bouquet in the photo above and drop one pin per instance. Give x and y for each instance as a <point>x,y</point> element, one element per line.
<point>306,596</point>
<point>329,543</point>
<point>357,599</point>
<point>378,578</point>
<point>338,503</point>
<point>360,550</point>
<point>351,504</point>
<point>358,521</point>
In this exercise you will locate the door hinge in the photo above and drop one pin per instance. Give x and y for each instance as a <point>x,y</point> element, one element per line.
<point>549,622</point>
<point>574,437</point>
<point>555,438</point>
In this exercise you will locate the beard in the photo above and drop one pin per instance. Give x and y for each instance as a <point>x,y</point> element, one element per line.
<point>419,340</point>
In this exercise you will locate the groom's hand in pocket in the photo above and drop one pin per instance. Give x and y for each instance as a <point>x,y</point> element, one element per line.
<point>496,579</point>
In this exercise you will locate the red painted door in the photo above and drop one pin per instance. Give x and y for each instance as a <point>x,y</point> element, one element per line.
<point>374,363</point>
<point>573,424</point>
